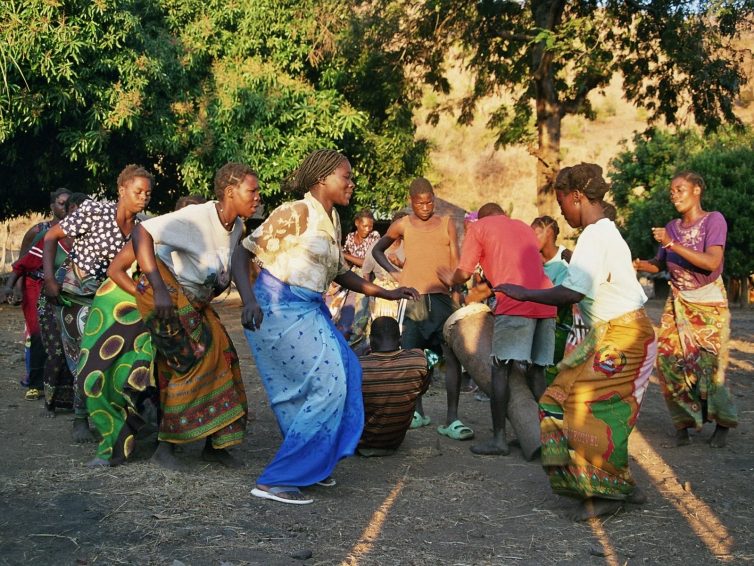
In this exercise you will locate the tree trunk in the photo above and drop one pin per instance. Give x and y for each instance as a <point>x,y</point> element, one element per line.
<point>548,155</point>
<point>547,15</point>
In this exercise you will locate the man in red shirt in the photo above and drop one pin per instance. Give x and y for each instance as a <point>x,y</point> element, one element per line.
<point>524,332</point>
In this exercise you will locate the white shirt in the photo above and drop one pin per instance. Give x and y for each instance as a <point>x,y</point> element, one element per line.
<point>300,244</point>
<point>196,247</point>
<point>602,271</point>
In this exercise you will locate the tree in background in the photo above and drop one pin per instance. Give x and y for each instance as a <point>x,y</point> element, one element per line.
<point>641,180</point>
<point>183,86</point>
<point>675,57</point>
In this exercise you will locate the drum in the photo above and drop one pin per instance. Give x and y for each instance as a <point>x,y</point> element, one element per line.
<point>468,332</point>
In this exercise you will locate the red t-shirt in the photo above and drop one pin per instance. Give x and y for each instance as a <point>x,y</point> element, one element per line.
<point>508,252</point>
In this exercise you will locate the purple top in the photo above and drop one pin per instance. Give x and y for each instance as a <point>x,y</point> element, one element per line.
<point>710,230</point>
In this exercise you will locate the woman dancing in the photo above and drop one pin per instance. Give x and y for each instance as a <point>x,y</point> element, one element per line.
<point>185,261</point>
<point>99,230</point>
<point>312,377</point>
<point>591,407</point>
<point>695,326</point>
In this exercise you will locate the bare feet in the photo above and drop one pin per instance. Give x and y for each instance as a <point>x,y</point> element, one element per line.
<point>595,507</point>
<point>719,437</point>
<point>98,463</point>
<point>81,432</point>
<point>48,413</point>
<point>492,448</point>
<point>164,457</point>
<point>682,437</point>
<point>638,497</point>
<point>220,456</point>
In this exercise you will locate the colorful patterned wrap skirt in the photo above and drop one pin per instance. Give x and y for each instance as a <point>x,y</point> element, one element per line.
<point>201,391</point>
<point>590,409</point>
<point>76,295</point>
<point>313,381</point>
<point>115,365</point>
<point>693,357</point>
<point>58,378</point>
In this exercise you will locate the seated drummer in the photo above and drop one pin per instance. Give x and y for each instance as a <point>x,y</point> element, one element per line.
<point>524,333</point>
<point>392,381</point>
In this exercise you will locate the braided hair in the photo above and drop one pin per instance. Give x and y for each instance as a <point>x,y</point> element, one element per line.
<point>692,177</point>
<point>314,168</point>
<point>585,178</point>
<point>546,222</point>
<point>231,174</point>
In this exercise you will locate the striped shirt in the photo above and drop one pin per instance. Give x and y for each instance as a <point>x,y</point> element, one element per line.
<point>392,381</point>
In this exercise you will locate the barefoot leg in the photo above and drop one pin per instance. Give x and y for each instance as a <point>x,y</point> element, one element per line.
<point>719,437</point>
<point>165,456</point>
<point>682,437</point>
<point>219,456</point>
<point>81,432</point>
<point>595,507</point>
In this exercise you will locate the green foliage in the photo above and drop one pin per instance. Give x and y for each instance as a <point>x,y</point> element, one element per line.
<point>725,160</point>
<point>548,55</point>
<point>183,86</point>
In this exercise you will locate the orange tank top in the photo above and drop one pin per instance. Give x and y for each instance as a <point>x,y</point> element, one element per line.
<point>426,250</point>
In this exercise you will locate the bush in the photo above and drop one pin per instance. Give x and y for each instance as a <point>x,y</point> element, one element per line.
<point>641,178</point>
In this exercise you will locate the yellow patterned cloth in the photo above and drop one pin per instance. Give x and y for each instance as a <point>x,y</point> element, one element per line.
<point>589,411</point>
<point>201,390</point>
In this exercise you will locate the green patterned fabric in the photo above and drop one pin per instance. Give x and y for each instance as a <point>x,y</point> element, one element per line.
<point>115,366</point>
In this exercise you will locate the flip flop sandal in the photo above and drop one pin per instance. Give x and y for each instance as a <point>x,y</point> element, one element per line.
<point>418,421</point>
<point>456,430</point>
<point>327,482</point>
<point>274,494</point>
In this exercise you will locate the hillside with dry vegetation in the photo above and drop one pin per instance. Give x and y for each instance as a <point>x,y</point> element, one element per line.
<point>467,169</point>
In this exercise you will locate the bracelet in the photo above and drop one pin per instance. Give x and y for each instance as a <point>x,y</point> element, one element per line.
<point>669,244</point>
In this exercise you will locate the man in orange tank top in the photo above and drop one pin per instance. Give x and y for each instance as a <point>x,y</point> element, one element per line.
<point>430,244</point>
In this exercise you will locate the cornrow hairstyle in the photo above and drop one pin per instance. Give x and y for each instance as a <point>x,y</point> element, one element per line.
<point>420,186</point>
<point>75,200</point>
<point>314,168</point>
<point>363,213</point>
<point>585,178</point>
<point>57,192</point>
<point>186,200</point>
<point>545,222</point>
<point>692,177</point>
<point>231,174</point>
<point>130,172</point>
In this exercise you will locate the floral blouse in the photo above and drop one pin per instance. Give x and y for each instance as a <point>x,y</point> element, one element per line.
<point>96,236</point>
<point>360,250</point>
<point>300,244</point>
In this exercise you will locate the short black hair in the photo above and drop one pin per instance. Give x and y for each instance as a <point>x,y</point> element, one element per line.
<point>384,333</point>
<point>490,209</point>
<point>231,174</point>
<point>420,186</point>
<point>57,192</point>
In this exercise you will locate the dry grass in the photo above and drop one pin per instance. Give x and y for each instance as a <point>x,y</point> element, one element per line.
<point>12,232</point>
<point>467,169</point>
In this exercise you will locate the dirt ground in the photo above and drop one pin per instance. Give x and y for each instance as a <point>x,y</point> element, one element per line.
<point>434,502</point>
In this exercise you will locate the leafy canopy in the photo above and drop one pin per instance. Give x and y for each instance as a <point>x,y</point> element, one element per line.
<point>183,86</point>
